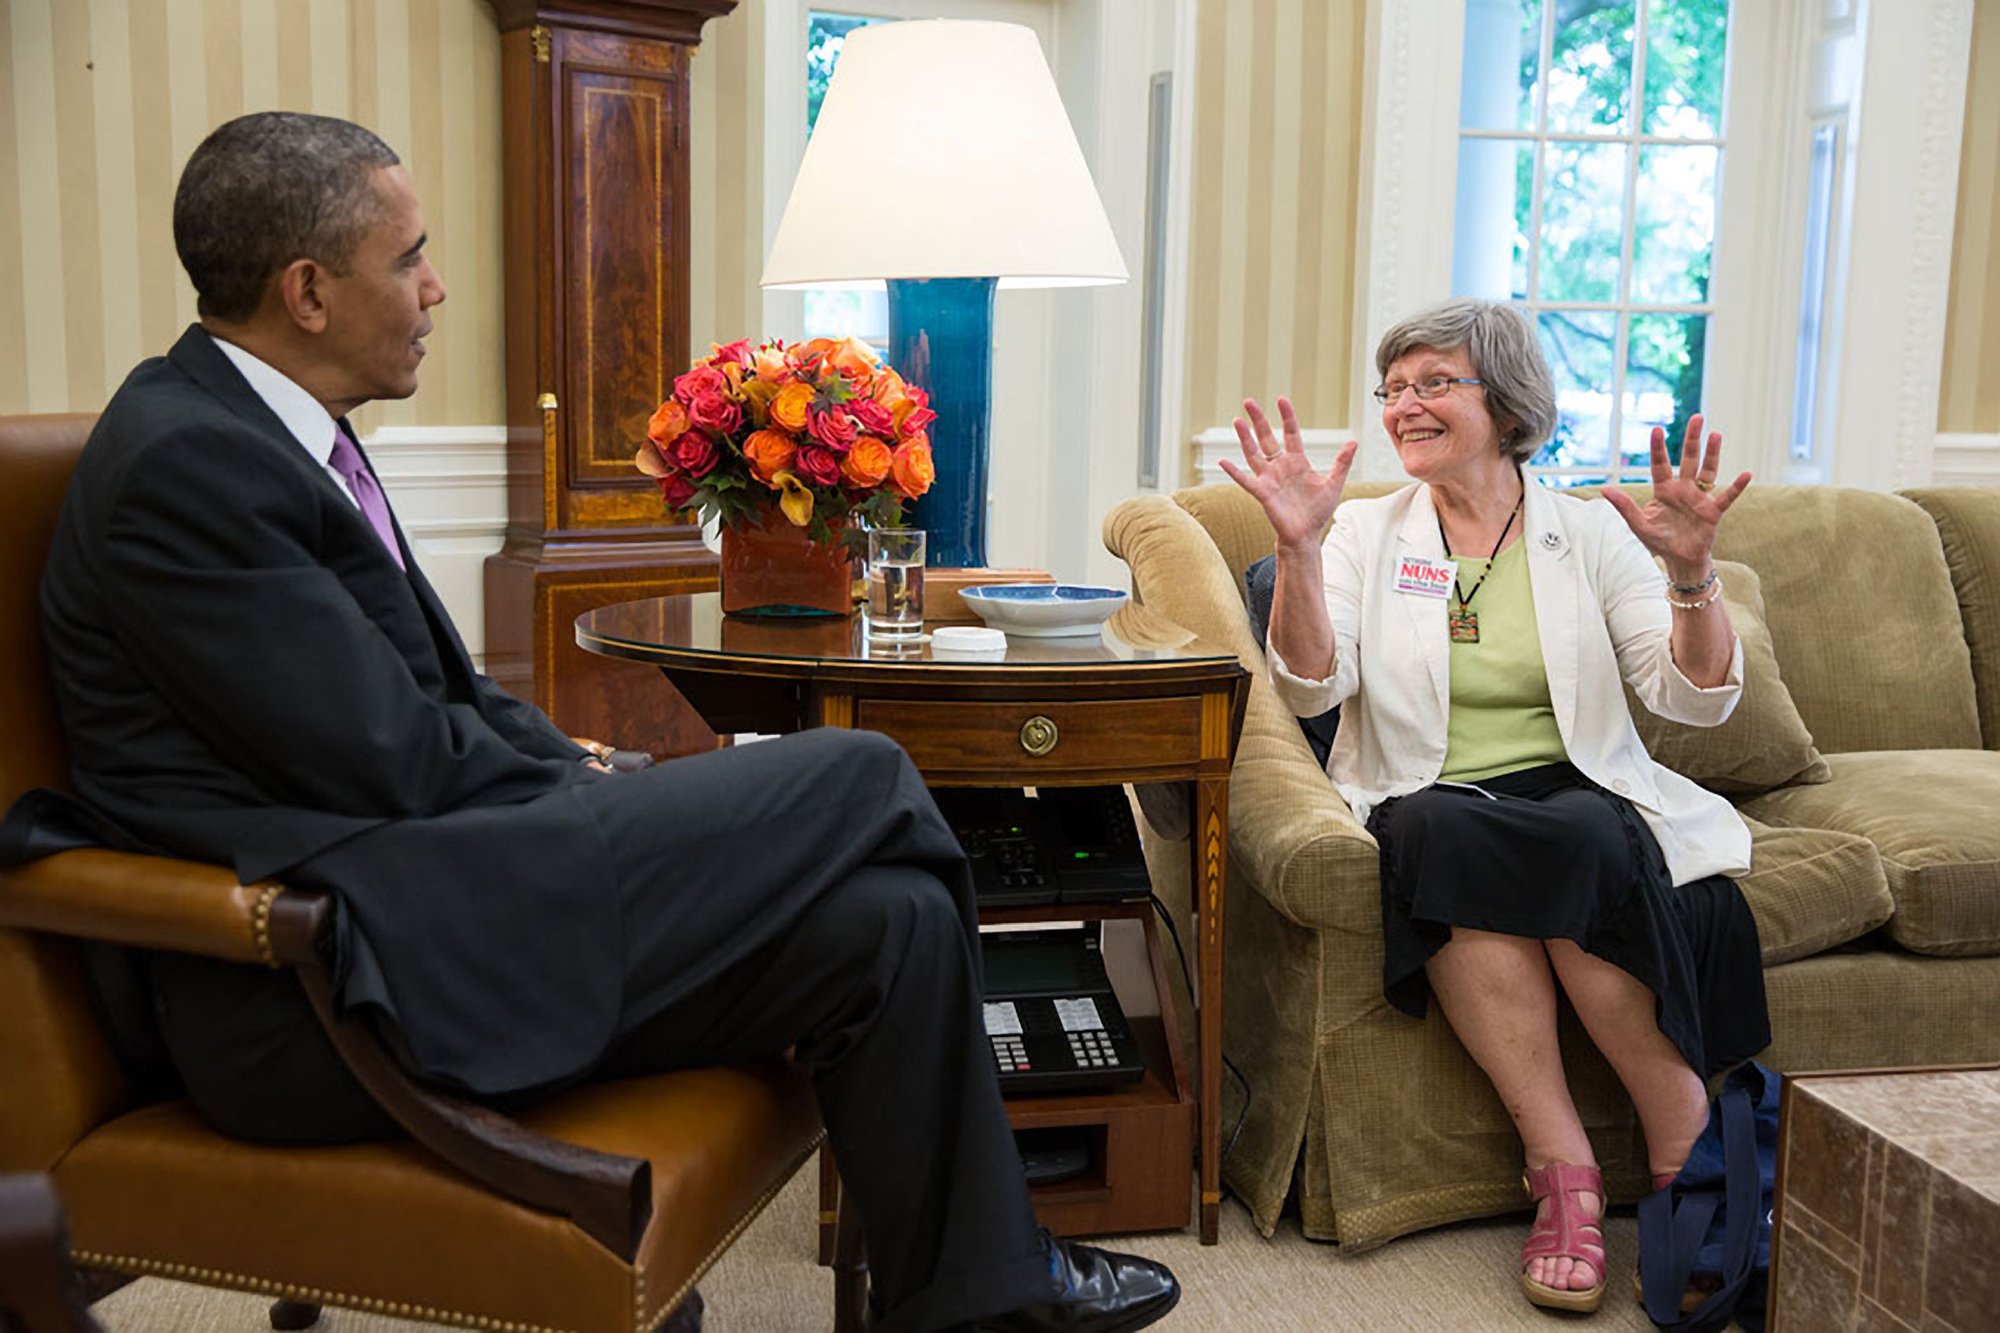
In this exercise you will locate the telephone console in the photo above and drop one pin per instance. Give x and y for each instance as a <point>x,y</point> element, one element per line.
<point>1063,844</point>
<point>1051,1017</point>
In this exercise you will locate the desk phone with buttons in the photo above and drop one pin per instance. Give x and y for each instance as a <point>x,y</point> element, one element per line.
<point>1051,1016</point>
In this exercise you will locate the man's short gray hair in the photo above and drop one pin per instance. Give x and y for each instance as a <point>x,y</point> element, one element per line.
<point>1505,355</point>
<point>265,189</point>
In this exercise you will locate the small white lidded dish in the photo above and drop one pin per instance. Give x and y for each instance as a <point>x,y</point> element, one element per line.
<point>967,643</point>
<point>1044,610</point>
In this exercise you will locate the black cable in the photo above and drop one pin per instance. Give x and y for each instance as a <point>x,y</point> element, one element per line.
<point>1167,920</point>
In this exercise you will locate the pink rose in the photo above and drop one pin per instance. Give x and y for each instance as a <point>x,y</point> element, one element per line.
<point>702,379</point>
<point>715,412</point>
<point>871,416</point>
<point>695,453</point>
<point>817,465</point>
<point>738,352</point>
<point>918,418</point>
<point>676,490</point>
<point>833,428</point>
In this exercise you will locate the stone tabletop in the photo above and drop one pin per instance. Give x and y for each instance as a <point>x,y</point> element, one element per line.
<point>1889,1215</point>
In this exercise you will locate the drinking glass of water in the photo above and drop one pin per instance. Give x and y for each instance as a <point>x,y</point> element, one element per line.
<point>896,583</point>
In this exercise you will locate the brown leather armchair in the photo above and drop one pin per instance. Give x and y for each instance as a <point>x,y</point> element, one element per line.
<point>594,1211</point>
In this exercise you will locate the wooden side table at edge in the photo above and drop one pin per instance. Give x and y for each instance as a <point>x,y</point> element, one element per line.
<point>1146,702</point>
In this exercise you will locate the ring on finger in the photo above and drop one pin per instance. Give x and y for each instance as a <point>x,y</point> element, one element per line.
<point>1703,486</point>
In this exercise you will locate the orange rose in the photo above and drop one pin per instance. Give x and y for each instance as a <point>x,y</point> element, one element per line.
<point>852,358</point>
<point>668,423</point>
<point>769,453</point>
<point>867,463</point>
<point>889,388</point>
<point>788,409</point>
<point>911,466</point>
<point>769,365</point>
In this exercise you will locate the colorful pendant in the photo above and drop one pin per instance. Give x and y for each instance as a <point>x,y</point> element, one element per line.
<point>1464,624</point>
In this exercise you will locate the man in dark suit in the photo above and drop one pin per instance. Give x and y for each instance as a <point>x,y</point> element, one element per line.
<point>252,670</point>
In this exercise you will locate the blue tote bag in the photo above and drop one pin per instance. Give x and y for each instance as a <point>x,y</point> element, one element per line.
<point>1711,1225</point>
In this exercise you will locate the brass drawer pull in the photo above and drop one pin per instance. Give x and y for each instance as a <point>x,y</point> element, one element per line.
<point>1039,735</point>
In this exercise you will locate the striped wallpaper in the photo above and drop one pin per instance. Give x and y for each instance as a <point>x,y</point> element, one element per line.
<point>1969,399</point>
<point>102,100</point>
<point>1274,236</point>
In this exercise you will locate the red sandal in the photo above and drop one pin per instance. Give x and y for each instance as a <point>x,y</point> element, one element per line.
<point>1564,1233</point>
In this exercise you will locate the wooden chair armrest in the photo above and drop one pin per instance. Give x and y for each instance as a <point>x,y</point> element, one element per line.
<point>608,1196</point>
<point>149,902</point>
<point>157,902</point>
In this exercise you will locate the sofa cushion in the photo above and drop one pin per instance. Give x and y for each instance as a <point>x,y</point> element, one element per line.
<point>1968,522</point>
<point>1764,744</point>
<point>1812,889</point>
<point>1930,815</point>
<point>1862,615</point>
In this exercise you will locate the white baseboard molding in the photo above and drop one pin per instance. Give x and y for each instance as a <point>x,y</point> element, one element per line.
<point>1966,460</point>
<point>448,485</point>
<point>1216,443</point>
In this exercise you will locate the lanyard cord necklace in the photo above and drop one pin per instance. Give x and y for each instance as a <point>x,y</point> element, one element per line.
<point>1464,621</point>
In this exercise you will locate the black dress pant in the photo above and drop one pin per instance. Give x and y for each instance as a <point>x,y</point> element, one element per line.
<point>872,981</point>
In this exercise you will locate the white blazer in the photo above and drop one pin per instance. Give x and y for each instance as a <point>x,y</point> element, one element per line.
<point>1601,608</point>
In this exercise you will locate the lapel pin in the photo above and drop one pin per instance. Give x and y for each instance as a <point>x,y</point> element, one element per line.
<point>1552,541</point>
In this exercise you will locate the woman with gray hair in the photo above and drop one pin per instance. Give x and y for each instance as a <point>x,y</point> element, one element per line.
<point>1478,630</point>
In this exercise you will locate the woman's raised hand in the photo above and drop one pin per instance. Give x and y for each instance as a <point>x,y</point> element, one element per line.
<point>1298,501</point>
<point>1678,523</point>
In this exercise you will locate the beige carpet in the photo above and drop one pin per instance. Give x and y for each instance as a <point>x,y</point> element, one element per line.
<point>1457,1279</point>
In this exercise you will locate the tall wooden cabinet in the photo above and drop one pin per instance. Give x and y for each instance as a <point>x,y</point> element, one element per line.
<point>595,140</point>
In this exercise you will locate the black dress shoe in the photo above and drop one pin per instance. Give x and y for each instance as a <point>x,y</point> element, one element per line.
<point>1098,1291</point>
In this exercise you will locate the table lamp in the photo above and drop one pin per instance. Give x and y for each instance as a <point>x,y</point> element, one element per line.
<point>943,162</point>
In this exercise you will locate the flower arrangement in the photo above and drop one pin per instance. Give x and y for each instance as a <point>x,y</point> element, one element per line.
<point>822,429</point>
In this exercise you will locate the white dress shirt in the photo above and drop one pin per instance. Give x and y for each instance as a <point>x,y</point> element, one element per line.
<point>1602,613</point>
<point>303,415</point>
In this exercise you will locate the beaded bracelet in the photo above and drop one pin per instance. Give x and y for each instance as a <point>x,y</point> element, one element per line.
<point>1694,589</point>
<point>1705,602</point>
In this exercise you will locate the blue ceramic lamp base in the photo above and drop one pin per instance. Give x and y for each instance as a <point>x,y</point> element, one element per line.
<point>941,340</point>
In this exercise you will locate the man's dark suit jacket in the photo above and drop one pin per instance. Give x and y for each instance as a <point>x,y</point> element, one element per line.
<point>247,678</point>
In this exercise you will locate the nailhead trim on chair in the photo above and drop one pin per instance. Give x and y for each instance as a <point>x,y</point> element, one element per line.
<point>213,1277</point>
<point>260,922</point>
<point>708,1261</point>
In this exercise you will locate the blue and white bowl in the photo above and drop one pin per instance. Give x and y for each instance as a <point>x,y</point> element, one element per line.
<point>1043,610</point>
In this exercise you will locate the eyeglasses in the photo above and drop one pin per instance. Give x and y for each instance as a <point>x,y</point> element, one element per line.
<point>1437,386</point>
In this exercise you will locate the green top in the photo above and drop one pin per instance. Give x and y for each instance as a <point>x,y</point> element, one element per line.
<point>1501,718</point>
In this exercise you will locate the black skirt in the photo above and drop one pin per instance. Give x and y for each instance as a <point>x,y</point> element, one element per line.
<point>1547,854</point>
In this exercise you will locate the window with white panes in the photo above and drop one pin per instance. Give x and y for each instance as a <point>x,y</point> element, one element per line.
<point>842,311</point>
<point>1591,141</point>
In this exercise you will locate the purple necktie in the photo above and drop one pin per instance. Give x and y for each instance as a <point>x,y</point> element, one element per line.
<point>361,483</point>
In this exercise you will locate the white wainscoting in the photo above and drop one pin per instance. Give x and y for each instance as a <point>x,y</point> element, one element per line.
<point>1966,460</point>
<point>1219,442</point>
<point>448,485</point>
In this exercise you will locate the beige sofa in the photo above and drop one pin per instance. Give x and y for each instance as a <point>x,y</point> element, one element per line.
<point>1875,872</point>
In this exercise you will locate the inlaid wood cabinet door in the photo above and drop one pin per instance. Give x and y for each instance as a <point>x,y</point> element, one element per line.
<point>620,105</point>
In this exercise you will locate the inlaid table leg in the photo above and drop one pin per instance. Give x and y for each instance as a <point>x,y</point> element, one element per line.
<point>1210,849</point>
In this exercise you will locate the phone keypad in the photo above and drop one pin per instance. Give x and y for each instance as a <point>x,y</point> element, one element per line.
<point>1011,1054</point>
<point>1092,1049</point>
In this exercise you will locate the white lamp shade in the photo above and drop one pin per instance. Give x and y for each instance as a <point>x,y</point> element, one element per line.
<point>943,151</point>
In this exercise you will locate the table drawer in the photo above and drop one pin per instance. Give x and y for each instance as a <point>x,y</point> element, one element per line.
<point>1015,737</point>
